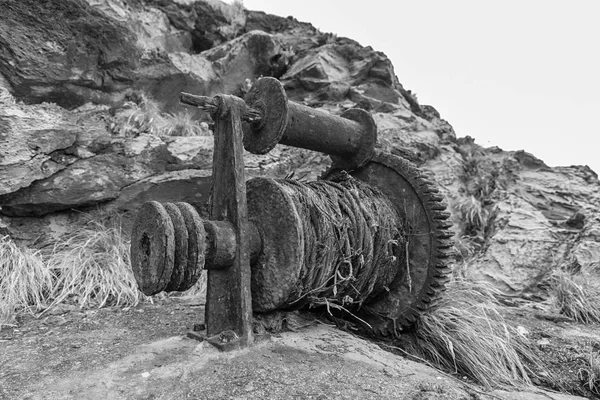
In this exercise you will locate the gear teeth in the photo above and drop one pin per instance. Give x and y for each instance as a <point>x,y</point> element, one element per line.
<point>435,223</point>
<point>438,206</point>
<point>442,215</point>
<point>442,267</point>
<point>443,235</point>
<point>443,271</point>
<point>431,189</point>
<point>437,197</point>
<point>444,224</point>
<point>446,253</point>
<point>441,281</point>
<point>445,244</point>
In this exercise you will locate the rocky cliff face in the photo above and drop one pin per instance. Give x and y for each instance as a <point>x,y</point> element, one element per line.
<point>90,120</point>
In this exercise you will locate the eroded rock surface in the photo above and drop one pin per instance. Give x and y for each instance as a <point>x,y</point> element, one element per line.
<point>320,362</point>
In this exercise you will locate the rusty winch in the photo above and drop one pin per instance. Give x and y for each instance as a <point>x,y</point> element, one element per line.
<point>371,238</point>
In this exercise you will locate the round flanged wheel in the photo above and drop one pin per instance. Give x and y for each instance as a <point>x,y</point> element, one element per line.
<point>276,270</point>
<point>181,247</point>
<point>267,95</point>
<point>422,277</point>
<point>152,248</point>
<point>196,245</point>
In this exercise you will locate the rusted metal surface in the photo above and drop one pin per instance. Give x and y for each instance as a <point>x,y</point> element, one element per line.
<point>269,99</point>
<point>278,265</point>
<point>180,257</point>
<point>426,270</point>
<point>152,248</point>
<point>196,245</point>
<point>271,119</point>
<point>350,137</point>
<point>228,301</point>
<point>366,141</point>
<point>221,243</point>
<point>321,242</point>
<point>254,244</point>
<point>317,130</point>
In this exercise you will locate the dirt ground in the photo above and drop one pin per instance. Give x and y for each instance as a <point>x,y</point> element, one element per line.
<point>143,353</point>
<point>562,344</point>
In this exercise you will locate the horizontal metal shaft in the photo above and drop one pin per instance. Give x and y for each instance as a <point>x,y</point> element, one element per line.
<point>273,119</point>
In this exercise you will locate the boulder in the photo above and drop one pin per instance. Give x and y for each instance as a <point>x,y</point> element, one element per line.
<point>64,52</point>
<point>34,143</point>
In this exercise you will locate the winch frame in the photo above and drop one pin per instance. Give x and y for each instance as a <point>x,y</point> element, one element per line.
<point>228,243</point>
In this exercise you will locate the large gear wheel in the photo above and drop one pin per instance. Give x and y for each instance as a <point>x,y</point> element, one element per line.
<point>423,275</point>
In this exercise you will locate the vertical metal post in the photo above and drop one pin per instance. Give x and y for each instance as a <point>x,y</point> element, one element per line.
<point>228,299</point>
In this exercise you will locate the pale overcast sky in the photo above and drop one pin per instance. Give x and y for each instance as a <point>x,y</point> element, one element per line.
<point>518,74</point>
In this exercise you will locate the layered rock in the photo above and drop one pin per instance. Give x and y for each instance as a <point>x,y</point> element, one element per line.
<point>101,146</point>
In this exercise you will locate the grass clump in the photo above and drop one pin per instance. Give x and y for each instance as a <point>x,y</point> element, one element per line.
<point>89,267</point>
<point>577,295</point>
<point>466,333</point>
<point>590,375</point>
<point>182,124</point>
<point>25,282</point>
<point>137,115</point>
<point>92,268</point>
<point>142,114</point>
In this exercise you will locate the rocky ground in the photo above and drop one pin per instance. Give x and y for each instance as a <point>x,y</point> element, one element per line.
<point>143,353</point>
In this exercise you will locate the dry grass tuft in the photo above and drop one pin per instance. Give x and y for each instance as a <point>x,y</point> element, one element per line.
<point>590,376</point>
<point>92,268</point>
<point>578,295</point>
<point>182,124</point>
<point>465,333</point>
<point>141,114</point>
<point>25,282</point>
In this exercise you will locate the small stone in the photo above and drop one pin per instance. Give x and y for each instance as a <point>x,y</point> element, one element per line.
<point>145,374</point>
<point>522,330</point>
<point>199,327</point>
<point>543,343</point>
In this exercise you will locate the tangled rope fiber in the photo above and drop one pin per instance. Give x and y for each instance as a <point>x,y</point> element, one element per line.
<point>354,242</point>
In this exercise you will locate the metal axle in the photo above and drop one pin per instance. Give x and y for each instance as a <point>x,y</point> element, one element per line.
<point>270,119</point>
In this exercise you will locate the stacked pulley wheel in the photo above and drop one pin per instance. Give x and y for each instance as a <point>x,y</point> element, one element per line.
<point>167,247</point>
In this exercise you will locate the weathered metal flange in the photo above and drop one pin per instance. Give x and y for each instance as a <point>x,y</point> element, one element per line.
<point>268,96</point>
<point>350,138</point>
<point>196,245</point>
<point>181,247</point>
<point>152,248</point>
<point>368,139</point>
<point>423,276</point>
<point>276,269</point>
